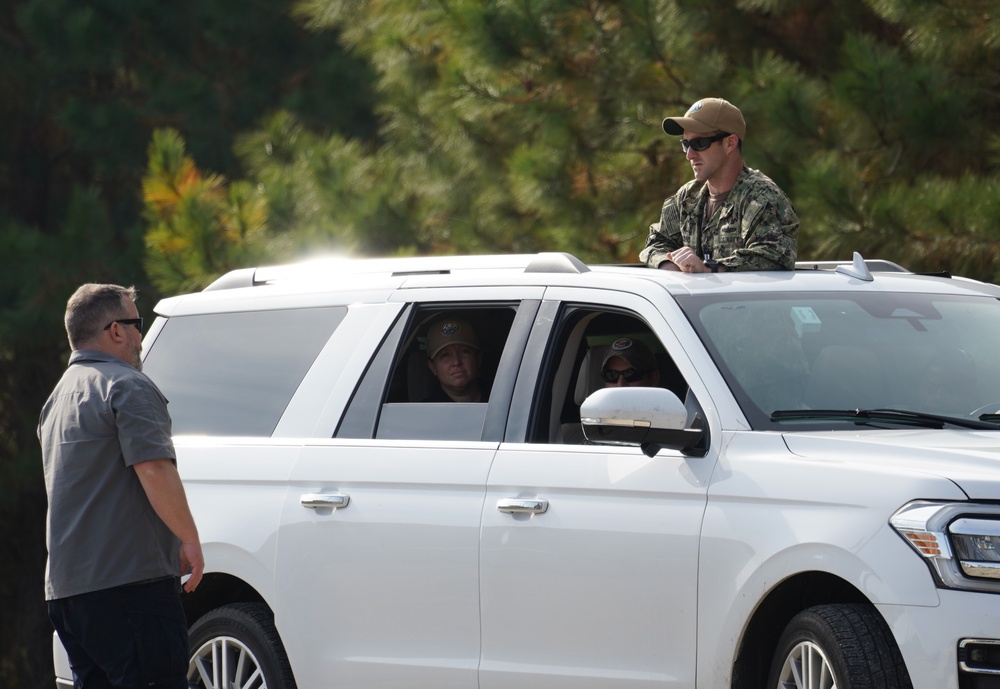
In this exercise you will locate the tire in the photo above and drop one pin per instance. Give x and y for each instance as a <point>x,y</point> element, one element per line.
<point>236,646</point>
<point>838,646</point>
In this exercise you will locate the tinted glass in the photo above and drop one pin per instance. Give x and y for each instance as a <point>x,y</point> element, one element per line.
<point>430,421</point>
<point>926,353</point>
<point>234,373</point>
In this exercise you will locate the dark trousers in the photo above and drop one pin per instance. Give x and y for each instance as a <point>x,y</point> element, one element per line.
<point>127,637</point>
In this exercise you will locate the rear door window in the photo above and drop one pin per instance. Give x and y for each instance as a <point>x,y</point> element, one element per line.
<point>411,391</point>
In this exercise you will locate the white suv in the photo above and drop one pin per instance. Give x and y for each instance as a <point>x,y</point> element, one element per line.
<point>810,498</point>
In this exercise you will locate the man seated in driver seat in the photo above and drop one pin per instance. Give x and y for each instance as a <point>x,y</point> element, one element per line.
<point>629,363</point>
<point>626,363</point>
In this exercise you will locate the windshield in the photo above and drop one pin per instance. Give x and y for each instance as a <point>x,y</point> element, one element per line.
<point>924,353</point>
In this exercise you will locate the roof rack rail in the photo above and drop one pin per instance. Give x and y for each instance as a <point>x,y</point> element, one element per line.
<point>875,265</point>
<point>330,268</point>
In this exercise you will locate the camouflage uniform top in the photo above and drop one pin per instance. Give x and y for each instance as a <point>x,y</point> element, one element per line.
<point>755,228</point>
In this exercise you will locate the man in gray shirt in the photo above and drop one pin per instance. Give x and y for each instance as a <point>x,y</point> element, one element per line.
<point>119,531</point>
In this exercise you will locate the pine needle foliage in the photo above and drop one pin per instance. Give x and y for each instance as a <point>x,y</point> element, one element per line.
<point>527,125</point>
<point>198,227</point>
<point>534,125</point>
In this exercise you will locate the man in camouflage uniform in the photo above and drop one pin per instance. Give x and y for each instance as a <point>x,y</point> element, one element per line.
<point>729,217</point>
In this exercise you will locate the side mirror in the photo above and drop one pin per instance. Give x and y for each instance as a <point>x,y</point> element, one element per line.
<point>651,418</point>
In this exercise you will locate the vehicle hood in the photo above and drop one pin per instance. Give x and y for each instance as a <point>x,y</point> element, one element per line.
<point>969,458</point>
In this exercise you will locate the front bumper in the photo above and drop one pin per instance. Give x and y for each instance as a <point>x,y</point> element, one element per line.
<point>931,639</point>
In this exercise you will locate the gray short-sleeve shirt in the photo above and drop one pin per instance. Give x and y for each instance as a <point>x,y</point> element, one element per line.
<point>103,417</point>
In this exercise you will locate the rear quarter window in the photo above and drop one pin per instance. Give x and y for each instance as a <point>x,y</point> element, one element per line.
<point>234,373</point>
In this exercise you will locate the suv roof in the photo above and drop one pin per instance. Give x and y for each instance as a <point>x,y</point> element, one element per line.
<point>379,276</point>
<point>546,262</point>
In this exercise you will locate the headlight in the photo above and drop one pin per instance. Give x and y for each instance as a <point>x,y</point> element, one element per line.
<point>977,546</point>
<point>959,541</point>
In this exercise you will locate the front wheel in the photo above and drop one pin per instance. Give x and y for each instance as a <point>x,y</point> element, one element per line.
<point>838,647</point>
<point>237,647</point>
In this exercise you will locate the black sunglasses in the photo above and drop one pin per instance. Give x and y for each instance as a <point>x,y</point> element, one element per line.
<point>702,142</point>
<point>631,375</point>
<point>137,322</point>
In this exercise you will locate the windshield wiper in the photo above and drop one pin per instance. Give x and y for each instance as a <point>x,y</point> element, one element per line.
<point>869,416</point>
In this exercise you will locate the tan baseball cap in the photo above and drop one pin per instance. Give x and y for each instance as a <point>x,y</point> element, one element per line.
<point>706,116</point>
<point>449,331</point>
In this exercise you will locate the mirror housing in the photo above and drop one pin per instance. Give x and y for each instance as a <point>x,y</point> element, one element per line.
<point>650,418</point>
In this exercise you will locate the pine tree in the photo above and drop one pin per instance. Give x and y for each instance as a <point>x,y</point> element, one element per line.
<point>199,227</point>
<point>525,126</point>
<point>83,86</point>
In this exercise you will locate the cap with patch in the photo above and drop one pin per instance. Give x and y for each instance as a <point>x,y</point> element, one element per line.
<point>707,116</point>
<point>632,352</point>
<point>449,331</point>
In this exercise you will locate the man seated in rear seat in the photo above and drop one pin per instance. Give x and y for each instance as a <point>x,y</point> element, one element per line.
<point>454,358</point>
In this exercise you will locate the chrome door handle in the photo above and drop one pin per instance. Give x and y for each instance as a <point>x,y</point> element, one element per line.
<point>332,500</point>
<point>522,506</point>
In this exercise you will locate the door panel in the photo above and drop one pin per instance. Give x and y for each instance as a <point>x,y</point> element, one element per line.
<point>598,590</point>
<point>384,592</point>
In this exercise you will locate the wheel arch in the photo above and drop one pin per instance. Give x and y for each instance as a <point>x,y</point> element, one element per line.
<point>217,589</point>
<point>764,628</point>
